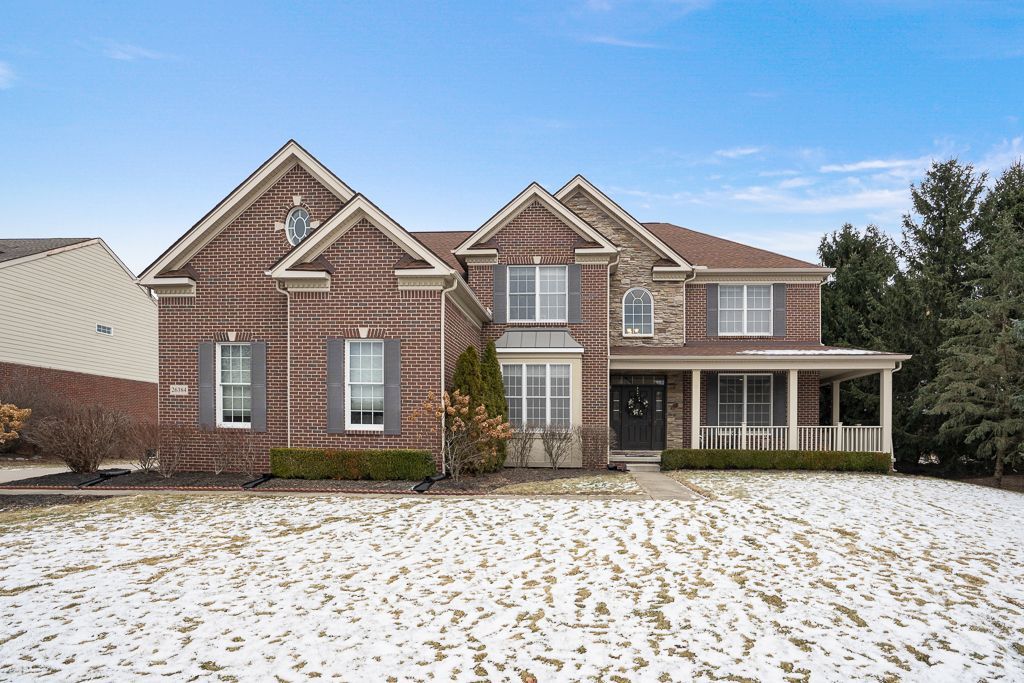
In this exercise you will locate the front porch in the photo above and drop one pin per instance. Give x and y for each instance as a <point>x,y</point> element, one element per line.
<point>741,398</point>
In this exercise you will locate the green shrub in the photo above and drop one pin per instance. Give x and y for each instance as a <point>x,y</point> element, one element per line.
<point>325,463</point>
<point>839,461</point>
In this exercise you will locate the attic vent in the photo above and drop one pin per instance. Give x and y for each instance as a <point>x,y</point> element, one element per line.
<point>104,329</point>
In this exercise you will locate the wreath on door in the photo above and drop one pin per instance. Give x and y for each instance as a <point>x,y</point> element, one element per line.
<point>637,405</point>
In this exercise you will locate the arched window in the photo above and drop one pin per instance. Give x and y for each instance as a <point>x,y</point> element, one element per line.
<point>297,225</point>
<point>637,313</point>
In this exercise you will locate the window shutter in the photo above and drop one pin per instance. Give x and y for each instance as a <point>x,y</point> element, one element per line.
<point>258,386</point>
<point>392,386</point>
<point>207,385</point>
<point>779,417</point>
<point>575,305</point>
<point>335,386</point>
<point>712,309</point>
<point>712,399</point>
<point>779,310</point>
<point>500,299</point>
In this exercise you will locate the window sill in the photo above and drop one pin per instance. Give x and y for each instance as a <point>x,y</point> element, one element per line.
<point>638,336</point>
<point>362,428</point>
<point>764,335</point>
<point>234,425</point>
<point>563,321</point>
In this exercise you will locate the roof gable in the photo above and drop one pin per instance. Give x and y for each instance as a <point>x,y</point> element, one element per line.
<point>534,192</point>
<point>200,234</point>
<point>581,184</point>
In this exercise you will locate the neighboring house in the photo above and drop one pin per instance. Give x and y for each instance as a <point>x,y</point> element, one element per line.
<point>299,310</point>
<point>75,321</point>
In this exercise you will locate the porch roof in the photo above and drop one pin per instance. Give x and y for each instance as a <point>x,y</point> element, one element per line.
<point>534,339</point>
<point>832,362</point>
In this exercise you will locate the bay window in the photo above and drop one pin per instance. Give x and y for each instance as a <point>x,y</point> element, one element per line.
<point>538,394</point>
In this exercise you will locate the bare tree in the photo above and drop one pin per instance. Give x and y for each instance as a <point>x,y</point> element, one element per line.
<point>558,443</point>
<point>82,437</point>
<point>248,453</point>
<point>144,443</point>
<point>174,443</point>
<point>519,447</point>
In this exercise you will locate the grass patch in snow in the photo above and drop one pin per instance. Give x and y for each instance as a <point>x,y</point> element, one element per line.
<point>595,484</point>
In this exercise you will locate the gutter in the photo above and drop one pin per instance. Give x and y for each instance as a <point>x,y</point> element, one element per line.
<point>288,361</point>
<point>444,294</point>
<point>685,321</point>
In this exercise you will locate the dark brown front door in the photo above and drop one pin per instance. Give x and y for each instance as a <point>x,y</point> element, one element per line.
<point>638,417</point>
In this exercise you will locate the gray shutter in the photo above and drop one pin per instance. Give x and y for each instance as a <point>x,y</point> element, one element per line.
<point>779,310</point>
<point>712,399</point>
<point>712,309</point>
<point>498,307</point>
<point>779,389</point>
<point>392,386</point>
<point>207,385</point>
<point>575,306</point>
<point>335,386</point>
<point>258,386</point>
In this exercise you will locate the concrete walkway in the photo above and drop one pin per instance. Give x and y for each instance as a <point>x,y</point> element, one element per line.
<point>659,487</point>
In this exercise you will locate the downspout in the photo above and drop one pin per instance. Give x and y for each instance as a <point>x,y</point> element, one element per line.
<point>288,361</point>
<point>440,396</point>
<point>685,321</point>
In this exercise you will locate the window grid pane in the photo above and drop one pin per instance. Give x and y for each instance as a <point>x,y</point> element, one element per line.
<point>638,312</point>
<point>366,383</point>
<point>235,380</point>
<point>745,398</point>
<point>522,292</point>
<point>745,309</point>
<point>553,288</point>
<point>512,375</point>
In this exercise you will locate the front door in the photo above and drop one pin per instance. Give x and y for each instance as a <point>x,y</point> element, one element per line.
<point>638,417</point>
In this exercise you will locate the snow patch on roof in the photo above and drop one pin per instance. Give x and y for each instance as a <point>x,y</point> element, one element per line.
<point>808,352</point>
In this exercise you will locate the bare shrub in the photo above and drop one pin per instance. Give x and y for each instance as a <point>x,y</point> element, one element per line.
<point>470,438</point>
<point>558,443</point>
<point>594,442</point>
<point>144,444</point>
<point>247,452</point>
<point>82,437</point>
<point>174,443</point>
<point>225,443</point>
<point>519,447</point>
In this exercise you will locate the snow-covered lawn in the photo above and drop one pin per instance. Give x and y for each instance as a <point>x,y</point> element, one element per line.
<point>595,484</point>
<point>848,577</point>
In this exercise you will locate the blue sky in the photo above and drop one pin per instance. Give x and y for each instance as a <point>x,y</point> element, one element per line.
<point>769,123</point>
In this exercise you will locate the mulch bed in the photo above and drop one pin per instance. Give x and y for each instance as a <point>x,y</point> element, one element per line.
<point>40,500</point>
<point>205,481</point>
<point>1011,482</point>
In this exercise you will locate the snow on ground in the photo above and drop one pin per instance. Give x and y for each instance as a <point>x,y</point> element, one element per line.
<point>595,484</point>
<point>851,577</point>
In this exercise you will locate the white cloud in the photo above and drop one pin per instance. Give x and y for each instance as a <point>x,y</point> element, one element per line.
<point>737,152</point>
<point>1002,155</point>
<point>767,199</point>
<point>129,53</point>
<point>621,42</point>
<point>800,181</point>
<point>6,76</point>
<point>870,165</point>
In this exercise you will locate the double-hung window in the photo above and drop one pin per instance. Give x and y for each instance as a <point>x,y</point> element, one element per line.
<point>234,385</point>
<point>538,293</point>
<point>364,367</point>
<point>745,310</point>
<point>745,399</point>
<point>538,394</point>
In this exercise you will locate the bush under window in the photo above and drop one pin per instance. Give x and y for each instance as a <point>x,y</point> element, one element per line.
<point>326,463</point>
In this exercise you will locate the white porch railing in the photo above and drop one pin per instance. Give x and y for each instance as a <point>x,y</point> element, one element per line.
<point>745,438</point>
<point>830,438</point>
<point>841,438</point>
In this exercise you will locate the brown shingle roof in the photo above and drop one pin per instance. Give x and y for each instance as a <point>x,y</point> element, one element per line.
<point>740,349</point>
<point>702,249</point>
<point>11,249</point>
<point>442,242</point>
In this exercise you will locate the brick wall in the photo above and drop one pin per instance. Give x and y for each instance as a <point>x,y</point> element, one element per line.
<point>803,313</point>
<point>535,231</point>
<point>460,334</point>
<point>135,398</point>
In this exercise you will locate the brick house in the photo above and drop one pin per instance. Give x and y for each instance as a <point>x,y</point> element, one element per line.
<point>79,326</point>
<point>301,311</point>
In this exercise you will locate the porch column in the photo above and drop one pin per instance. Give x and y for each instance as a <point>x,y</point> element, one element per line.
<point>695,409</point>
<point>885,409</point>
<point>835,402</point>
<point>791,411</point>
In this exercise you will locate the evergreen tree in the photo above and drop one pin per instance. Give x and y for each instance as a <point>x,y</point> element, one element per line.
<point>978,390</point>
<point>851,306</point>
<point>937,249</point>
<point>467,378</point>
<point>493,384</point>
<point>1004,202</point>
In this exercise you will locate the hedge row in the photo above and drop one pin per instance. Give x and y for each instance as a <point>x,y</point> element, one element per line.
<point>325,463</point>
<point>841,461</point>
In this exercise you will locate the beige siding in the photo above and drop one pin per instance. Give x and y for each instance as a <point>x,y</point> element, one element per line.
<point>54,304</point>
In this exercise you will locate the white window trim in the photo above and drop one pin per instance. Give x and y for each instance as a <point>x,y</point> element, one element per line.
<point>744,332</point>
<point>105,334</point>
<point>288,219</point>
<point>547,392</point>
<point>536,295</point>
<point>771,396</point>
<point>349,427</point>
<point>220,390</point>
<point>630,334</point>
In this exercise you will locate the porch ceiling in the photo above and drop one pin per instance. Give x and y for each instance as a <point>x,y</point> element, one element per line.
<point>832,362</point>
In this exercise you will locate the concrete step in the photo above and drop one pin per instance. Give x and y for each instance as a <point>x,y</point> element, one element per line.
<point>643,467</point>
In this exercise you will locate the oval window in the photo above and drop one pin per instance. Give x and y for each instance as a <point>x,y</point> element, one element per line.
<point>297,225</point>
